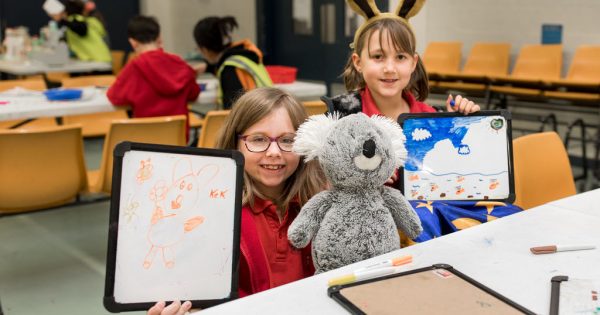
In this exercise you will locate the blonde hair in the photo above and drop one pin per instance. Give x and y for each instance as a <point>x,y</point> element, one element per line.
<point>403,39</point>
<point>250,108</point>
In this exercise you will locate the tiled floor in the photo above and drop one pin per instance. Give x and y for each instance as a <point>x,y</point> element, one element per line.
<point>53,262</point>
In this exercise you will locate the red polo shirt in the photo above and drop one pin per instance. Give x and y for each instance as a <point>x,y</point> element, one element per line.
<point>284,261</point>
<point>370,108</point>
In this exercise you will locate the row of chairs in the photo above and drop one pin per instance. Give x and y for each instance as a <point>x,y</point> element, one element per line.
<point>536,72</point>
<point>45,168</point>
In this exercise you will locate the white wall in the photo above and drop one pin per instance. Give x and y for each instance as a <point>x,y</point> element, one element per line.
<point>518,22</point>
<point>515,21</point>
<point>178,17</point>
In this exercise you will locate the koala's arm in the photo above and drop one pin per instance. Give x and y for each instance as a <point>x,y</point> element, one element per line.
<point>403,213</point>
<point>307,223</point>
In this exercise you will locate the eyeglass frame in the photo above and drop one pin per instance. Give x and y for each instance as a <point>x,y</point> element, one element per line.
<point>271,139</point>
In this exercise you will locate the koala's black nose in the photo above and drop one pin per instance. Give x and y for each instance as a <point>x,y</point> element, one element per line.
<point>369,148</point>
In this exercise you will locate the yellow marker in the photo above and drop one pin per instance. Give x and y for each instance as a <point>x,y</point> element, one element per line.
<point>380,269</point>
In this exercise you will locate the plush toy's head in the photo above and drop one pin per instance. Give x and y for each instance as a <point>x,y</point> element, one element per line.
<point>354,151</point>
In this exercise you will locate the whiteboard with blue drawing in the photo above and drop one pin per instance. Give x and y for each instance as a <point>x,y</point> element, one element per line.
<point>174,226</point>
<point>456,157</point>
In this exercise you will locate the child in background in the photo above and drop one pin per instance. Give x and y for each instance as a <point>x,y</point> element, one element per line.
<point>237,65</point>
<point>155,83</point>
<point>277,182</point>
<point>85,35</point>
<point>384,75</point>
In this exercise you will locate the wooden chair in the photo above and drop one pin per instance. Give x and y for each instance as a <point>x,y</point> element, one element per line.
<point>541,169</point>
<point>157,130</point>
<point>118,59</point>
<point>441,58</point>
<point>484,61</point>
<point>535,65</point>
<point>582,82</point>
<point>315,107</point>
<point>95,124</point>
<point>41,168</point>
<point>212,124</point>
<point>36,84</point>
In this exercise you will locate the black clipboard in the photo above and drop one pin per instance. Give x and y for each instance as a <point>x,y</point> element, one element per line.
<point>452,156</point>
<point>174,230</point>
<point>438,289</point>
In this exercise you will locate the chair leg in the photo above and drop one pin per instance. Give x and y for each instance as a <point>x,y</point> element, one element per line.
<point>584,161</point>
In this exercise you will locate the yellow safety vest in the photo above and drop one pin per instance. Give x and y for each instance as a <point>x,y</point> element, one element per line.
<point>257,71</point>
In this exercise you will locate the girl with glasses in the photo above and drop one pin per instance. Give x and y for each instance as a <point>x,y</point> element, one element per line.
<point>262,125</point>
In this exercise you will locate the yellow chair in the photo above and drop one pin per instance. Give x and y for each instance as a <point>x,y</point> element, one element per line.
<point>157,130</point>
<point>315,107</point>
<point>212,125</point>
<point>541,169</point>
<point>95,124</point>
<point>118,57</point>
<point>484,61</point>
<point>441,58</point>
<point>36,84</point>
<point>582,82</point>
<point>535,65</point>
<point>40,169</point>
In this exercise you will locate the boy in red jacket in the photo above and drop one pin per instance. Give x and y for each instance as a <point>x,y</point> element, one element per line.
<point>155,83</point>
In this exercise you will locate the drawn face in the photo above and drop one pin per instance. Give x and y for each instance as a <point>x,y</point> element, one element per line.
<point>183,193</point>
<point>271,168</point>
<point>386,71</point>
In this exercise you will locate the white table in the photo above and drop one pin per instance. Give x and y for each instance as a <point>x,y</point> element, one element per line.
<point>29,67</point>
<point>304,91</point>
<point>496,254</point>
<point>35,105</point>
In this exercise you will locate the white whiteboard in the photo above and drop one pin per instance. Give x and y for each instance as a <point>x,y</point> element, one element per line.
<point>457,157</point>
<point>175,229</point>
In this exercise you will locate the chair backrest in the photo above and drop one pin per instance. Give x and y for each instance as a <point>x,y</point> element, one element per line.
<point>542,169</point>
<point>489,59</point>
<point>36,84</point>
<point>40,168</point>
<point>212,124</point>
<point>89,80</point>
<point>541,62</point>
<point>585,65</point>
<point>156,130</point>
<point>315,107</point>
<point>442,57</point>
<point>118,58</point>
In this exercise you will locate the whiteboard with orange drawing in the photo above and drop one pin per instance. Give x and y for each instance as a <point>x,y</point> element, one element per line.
<point>174,226</point>
<point>456,157</point>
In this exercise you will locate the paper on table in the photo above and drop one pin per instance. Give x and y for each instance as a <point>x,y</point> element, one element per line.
<point>577,296</point>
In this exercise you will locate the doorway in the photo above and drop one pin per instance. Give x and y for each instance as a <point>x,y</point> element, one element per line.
<point>311,35</point>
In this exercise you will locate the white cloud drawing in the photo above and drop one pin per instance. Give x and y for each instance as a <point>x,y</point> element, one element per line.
<point>420,134</point>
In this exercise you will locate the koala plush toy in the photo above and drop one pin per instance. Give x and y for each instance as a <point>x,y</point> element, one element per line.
<point>358,217</point>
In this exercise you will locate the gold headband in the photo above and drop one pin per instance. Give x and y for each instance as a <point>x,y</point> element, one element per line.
<point>368,9</point>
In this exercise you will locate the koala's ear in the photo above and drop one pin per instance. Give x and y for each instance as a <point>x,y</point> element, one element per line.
<point>312,135</point>
<point>396,135</point>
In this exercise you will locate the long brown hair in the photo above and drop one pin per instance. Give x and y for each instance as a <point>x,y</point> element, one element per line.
<point>403,39</point>
<point>250,108</point>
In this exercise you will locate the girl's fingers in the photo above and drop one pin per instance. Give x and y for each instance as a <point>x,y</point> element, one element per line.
<point>157,308</point>
<point>185,307</point>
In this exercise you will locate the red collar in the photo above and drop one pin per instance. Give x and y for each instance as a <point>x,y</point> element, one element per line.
<point>370,108</point>
<point>261,205</point>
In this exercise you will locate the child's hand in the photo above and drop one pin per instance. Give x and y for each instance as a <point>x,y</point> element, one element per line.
<point>200,68</point>
<point>176,308</point>
<point>392,179</point>
<point>461,105</point>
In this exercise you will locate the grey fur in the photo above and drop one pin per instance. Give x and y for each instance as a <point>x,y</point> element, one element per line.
<point>358,217</point>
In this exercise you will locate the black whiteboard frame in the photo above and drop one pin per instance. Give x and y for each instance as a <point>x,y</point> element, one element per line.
<point>119,153</point>
<point>504,113</point>
<point>334,291</point>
